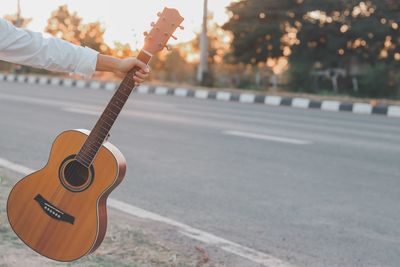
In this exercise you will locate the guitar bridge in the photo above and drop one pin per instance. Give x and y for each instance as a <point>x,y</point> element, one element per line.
<point>54,212</point>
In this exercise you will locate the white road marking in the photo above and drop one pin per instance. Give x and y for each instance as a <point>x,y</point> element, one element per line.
<point>82,111</point>
<point>43,80</point>
<point>111,86</point>
<point>268,137</point>
<point>329,105</point>
<point>197,234</point>
<point>95,85</point>
<point>161,90</point>
<point>247,98</point>
<point>15,167</point>
<point>201,94</point>
<point>143,89</point>
<point>68,82</point>
<point>55,81</point>
<point>394,111</point>
<point>300,102</point>
<point>81,83</point>
<point>273,100</point>
<point>10,77</point>
<point>182,92</point>
<point>362,108</point>
<point>21,78</point>
<point>223,96</point>
<point>32,79</point>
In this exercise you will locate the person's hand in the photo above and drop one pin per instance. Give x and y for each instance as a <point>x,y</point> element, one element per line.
<point>121,67</point>
<point>127,64</point>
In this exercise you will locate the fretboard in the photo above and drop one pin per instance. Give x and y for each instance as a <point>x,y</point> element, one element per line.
<point>103,126</point>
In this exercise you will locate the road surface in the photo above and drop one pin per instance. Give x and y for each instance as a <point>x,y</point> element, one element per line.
<point>309,187</point>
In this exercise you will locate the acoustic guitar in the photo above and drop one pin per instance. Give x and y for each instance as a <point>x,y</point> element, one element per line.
<point>60,210</point>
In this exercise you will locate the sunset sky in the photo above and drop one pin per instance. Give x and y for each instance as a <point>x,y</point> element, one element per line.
<point>124,21</point>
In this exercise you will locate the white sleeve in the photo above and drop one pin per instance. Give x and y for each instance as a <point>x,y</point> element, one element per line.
<point>29,48</point>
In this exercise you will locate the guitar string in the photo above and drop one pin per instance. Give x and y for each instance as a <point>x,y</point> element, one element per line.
<point>127,86</point>
<point>60,186</point>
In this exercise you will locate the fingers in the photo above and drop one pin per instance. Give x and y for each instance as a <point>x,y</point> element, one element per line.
<point>142,66</point>
<point>141,75</point>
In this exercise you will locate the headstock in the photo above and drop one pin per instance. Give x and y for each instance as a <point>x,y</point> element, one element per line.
<point>169,20</point>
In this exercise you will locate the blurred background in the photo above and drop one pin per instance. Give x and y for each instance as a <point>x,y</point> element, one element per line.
<point>289,181</point>
<point>329,47</point>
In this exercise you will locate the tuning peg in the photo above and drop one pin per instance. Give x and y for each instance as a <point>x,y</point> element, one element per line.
<point>159,14</point>
<point>145,33</point>
<point>152,24</point>
<point>173,37</point>
<point>181,27</point>
<point>168,47</point>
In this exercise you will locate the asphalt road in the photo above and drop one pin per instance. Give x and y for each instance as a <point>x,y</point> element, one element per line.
<point>309,187</point>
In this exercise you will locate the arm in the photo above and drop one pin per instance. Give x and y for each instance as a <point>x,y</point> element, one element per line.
<point>29,48</point>
<point>122,66</point>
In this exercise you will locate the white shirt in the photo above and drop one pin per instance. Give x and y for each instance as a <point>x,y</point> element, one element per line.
<point>24,47</point>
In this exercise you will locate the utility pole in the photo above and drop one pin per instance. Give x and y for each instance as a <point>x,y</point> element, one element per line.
<point>18,22</point>
<point>203,66</point>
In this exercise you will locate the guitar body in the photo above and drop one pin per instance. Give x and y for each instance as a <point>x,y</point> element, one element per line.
<point>60,210</point>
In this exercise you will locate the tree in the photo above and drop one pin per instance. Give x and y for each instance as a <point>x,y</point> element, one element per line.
<point>319,35</point>
<point>354,36</point>
<point>69,26</point>
<point>260,28</point>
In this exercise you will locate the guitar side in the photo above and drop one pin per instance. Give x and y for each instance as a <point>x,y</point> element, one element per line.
<point>56,222</point>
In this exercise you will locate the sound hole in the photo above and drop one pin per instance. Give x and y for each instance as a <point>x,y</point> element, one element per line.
<point>76,174</point>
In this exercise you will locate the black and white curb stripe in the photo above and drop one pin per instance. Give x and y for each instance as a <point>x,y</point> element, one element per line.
<point>57,81</point>
<point>302,103</point>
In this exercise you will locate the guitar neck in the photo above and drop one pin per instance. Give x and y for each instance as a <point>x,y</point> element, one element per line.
<point>103,126</point>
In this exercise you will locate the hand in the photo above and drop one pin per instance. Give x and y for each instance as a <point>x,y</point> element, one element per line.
<point>121,67</point>
<point>127,64</point>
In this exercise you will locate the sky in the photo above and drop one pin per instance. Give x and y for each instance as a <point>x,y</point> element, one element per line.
<point>124,20</point>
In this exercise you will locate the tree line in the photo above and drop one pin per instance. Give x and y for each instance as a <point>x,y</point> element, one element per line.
<point>333,46</point>
<point>344,46</point>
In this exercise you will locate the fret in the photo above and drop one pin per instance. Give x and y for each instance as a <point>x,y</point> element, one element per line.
<point>90,149</point>
<point>83,160</point>
<point>123,90</point>
<point>115,105</point>
<point>94,142</point>
<point>112,109</point>
<point>127,88</point>
<point>88,152</point>
<point>104,130</point>
<point>90,146</point>
<point>121,98</point>
<point>109,115</point>
<point>103,126</point>
<point>104,120</point>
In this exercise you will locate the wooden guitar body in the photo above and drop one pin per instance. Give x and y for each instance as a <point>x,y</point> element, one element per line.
<point>60,210</point>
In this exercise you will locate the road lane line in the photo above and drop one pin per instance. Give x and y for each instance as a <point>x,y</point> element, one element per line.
<point>82,111</point>
<point>191,232</point>
<point>268,137</point>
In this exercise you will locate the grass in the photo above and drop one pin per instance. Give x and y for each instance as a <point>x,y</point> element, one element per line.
<point>129,242</point>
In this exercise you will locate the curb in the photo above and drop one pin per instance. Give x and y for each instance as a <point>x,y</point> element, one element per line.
<point>250,98</point>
